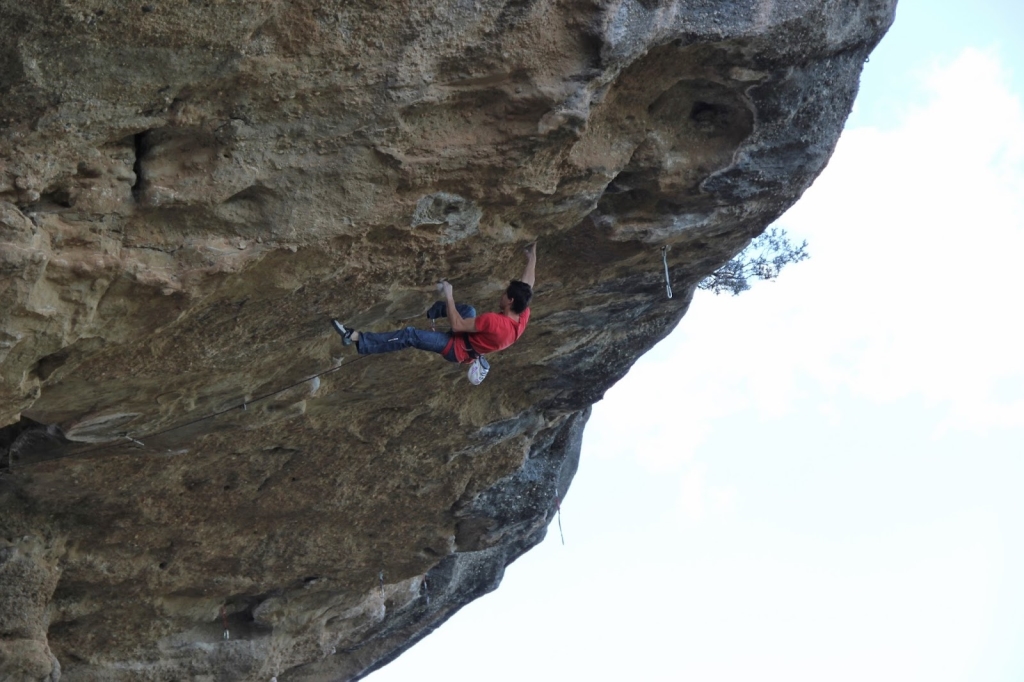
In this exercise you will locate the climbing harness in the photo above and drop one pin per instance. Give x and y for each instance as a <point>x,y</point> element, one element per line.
<point>668,282</point>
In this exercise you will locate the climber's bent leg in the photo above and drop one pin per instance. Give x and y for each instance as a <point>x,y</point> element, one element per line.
<point>440,309</point>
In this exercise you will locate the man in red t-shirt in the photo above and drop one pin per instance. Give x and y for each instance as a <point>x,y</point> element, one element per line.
<point>471,336</point>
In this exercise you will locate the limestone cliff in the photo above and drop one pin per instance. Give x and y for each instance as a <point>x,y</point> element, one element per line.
<point>191,189</point>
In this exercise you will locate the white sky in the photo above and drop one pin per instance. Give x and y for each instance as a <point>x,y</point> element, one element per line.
<point>820,479</point>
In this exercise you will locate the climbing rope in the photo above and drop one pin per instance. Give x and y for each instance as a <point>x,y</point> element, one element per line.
<point>243,406</point>
<point>558,513</point>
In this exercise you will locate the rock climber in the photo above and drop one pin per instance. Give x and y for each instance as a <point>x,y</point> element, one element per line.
<point>471,337</point>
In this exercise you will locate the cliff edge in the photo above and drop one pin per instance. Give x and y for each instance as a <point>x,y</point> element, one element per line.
<point>197,480</point>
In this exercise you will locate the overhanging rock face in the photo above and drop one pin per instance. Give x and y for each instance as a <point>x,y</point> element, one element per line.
<point>189,191</point>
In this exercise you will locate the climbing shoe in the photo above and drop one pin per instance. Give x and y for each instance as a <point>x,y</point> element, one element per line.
<point>346,334</point>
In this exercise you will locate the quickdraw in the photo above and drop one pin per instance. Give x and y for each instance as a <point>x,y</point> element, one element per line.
<point>668,281</point>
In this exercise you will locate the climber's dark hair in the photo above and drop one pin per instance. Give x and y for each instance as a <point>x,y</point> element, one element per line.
<point>520,293</point>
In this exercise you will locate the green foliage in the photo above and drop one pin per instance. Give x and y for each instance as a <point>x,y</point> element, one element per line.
<point>763,259</point>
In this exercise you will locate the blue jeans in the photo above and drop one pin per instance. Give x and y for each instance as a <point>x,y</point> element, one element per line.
<point>371,343</point>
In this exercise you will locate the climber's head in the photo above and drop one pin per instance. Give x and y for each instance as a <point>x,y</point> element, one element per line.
<point>517,296</point>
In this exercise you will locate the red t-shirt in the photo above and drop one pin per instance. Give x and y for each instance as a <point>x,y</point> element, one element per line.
<point>494,332</point>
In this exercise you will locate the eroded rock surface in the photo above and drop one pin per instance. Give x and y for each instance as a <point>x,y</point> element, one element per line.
<point>190,190</point>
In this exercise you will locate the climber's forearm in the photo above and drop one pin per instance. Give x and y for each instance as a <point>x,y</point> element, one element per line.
<point>458,322</point>
<point>530,272</point>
